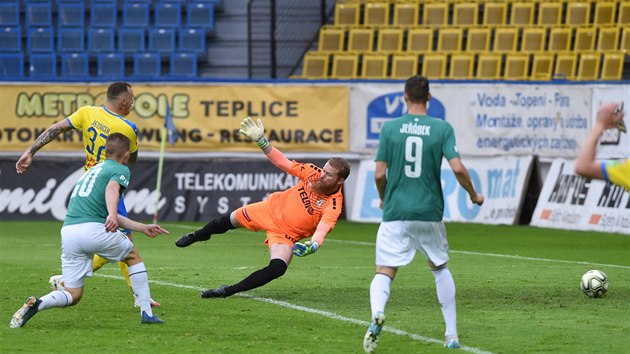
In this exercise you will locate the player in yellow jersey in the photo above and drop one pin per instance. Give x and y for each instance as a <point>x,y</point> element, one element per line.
<point>96,123</point>
<point>609,116</point>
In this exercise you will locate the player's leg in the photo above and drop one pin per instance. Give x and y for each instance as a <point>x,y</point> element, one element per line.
<point>219,225</point>
<point>140,284</point>
<point>280,254</point>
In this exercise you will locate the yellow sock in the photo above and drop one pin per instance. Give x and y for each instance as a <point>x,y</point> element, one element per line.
<point>124,269</point>
<point>98,262</point>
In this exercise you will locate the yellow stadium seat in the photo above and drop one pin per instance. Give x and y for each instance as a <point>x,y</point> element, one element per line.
<point>390,40</point>
<point>542,67</point>
<point>505,39</point>
<point>585,39</point>
<point>374,66</point>
<point>578,13</point>
<point>624,14</point>
<point>331,39</point>
<point>465,14</point>
<point>435,14</point>
<point>315,65</point>
<point>404,65</point>
<point>489,66</point>
<point>347,14</point>
<point>478,40</point>
<point>516,67</point>
<point>406,14</point>
<point>450,40</point>
<point>420,40</point>
<point>376,14</point>
<point>494,13</point>
<point>565,66</point>
<point>560,39</point>
<point>624,46</point>
<point>533,39</point>
<point>462,66</point>
<point>612,66</point>
<point>344,66</point>
<point>608,38</point>
<point>522,13</point>
<point>550,13</point>
<point>588,66</point>
<point>434,66</point>
<point>605,12</point>
<point>360,39</point>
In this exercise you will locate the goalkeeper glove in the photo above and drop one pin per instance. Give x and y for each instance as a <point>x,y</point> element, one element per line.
<point>254,131</point>
<point>304,249</point>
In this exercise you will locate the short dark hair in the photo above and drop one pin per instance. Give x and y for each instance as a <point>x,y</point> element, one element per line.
<point>341,165</point>
<point>417,89</point>
<point>117,144</point>
<point>115,90</point>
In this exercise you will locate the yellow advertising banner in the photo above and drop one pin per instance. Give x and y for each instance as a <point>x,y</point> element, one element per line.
<point>207,118</point>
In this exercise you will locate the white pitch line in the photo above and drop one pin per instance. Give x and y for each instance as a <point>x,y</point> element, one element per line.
<point>327,314</point>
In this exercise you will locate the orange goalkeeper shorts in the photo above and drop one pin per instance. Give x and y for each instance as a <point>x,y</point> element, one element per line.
<point>257,216</point>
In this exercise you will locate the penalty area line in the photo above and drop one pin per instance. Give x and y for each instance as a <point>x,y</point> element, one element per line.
<point>327,314</point>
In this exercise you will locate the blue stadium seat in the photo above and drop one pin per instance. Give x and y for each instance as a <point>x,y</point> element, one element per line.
<point>42,66</point>
<point>131,40</point>
<point>101,40</point>
<point>11,66</point>
<point>168,14</point>
<point>75,66</point>
<point>183,64</point>
<point>38,13</point>
<point>10,39</point>
<point>103,13</point>
<point>70,39</point>
<point>147,65</point>
<point>192,40</point>
<point>71,14</point>
<point>201,15</point>
<point>162,40</point>
<point>40,40</point>
<point>9,13</point>
<point>135,14</point>
<point>111,65</point>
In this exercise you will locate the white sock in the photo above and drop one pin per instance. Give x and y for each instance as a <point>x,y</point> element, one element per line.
<point>379,293</point>
<point>445,287</point>
<point>140,285</point>
<point>56,298</point>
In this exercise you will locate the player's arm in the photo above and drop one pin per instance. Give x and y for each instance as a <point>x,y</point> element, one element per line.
<point>256,132</point>
<point>150,230</point>
<point>463,177</point>
<point>380,179</point>
<point>44,138</point>
<point>112,196</point>
<point>310,247</point>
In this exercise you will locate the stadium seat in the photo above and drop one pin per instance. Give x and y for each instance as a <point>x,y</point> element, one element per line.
<point>578,13</point>
<point>10,13</point>
<point>201,15</point>
<point>608,38</point>
<point>489,66</point>
<point>565,66</point>
<point>11,66</point>
<point>612,66</point>
<point>434,66</point>
<point>420,40</point>
<point>103,14</point>
<point>465,14</point>
<point>192,40</point>
<point>101,40</point>
<point>435,14</point>
<point>40,40</point>
<point>147,65</point>
<point>533,39</point>
<point>360,40</point>
<point>347,14</point>
<point>331,39</point>
<point>344,66</point>
<point>605,12</point>
<point>560,39</point>
<point>624,45</point>
<point>390,40</point>
<point>494,13</point>
<point>131,40</point>
<point>183,65</point>
<point>624,14</point>
<point>42,66</point>
<point>588,66</point>
<point>505,40</point>
<point>167,14</point>
<point>404,66</point>
<point>462,67</point>
<point>516,66</point>
<point>478,40</point>
<point>38,13</point>
<point>376,14</point>
<point>162,40</point>
<point>550,13</point>
<point>542,67</point>
<point>71,14</point>
<point>522,13</point>
<point>111,65</point>
<point>450,40</point>
<point>135,14</point>
<point>585,39</point>
<point>10,39</point>
<point>315,65</point>
<point>75,66</point>
<point>70,39</point>
<point>406,14</point>
<point>374,66</point>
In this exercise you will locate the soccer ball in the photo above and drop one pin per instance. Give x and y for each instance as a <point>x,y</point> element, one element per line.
<point>594,283</point>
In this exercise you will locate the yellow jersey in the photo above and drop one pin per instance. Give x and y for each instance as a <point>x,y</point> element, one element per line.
<point>617,172</point>
<point>97,123</point>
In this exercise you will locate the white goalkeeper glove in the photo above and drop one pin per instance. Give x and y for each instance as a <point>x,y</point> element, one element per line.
<point>306,248</point>
<point>254,131</point>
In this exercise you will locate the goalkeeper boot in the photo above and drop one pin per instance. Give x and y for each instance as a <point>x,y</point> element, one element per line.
<point>451,342</point>
<point>28,310</point>
<point>56,282</point>
<point>189,239</point>
<point>218,292</point>
<point>370,341</point>
<point>146,319</point>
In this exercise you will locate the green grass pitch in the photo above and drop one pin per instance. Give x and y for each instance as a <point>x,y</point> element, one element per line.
<point>517,292</point>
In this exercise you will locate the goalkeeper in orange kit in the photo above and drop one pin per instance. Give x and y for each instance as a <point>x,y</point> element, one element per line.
<point>308,209</point>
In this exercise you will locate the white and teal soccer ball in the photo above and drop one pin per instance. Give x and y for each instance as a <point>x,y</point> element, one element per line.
<point>594,283</point>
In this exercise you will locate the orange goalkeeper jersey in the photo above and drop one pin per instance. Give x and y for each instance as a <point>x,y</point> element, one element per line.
<point>299,209</point>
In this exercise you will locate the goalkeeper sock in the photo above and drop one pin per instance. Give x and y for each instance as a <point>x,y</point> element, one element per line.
<point>98,262</point>
<point>140,284</point>
<point>276,268</point>
<point>379,293</point>
<point>218,225</point>
<point>57,298</point>
<point>445,287</point>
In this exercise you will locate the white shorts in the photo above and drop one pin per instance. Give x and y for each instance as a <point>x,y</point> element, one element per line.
<point>398,241</point>
<point>79,244</point>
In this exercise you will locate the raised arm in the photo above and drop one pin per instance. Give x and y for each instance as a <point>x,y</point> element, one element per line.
<point>256,132</point>
<point>463,177</point>
<point>44,138</point>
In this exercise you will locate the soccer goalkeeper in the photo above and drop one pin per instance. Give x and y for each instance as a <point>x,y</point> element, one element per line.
<point>310,208</point>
